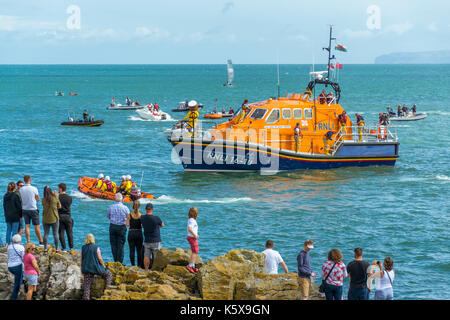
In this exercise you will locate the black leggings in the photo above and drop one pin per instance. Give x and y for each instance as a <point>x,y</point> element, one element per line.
<point>135,242</point>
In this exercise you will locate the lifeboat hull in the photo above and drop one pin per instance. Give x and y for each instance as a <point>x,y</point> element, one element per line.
<point>219,156</point>
<point>85,185</point>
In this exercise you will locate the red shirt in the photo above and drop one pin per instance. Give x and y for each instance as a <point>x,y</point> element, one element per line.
<point>336,277</point>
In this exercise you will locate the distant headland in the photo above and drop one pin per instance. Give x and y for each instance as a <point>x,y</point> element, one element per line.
<point>426,57</point>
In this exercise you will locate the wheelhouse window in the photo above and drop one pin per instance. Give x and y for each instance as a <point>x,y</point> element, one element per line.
<point>258,114</point>
<point>308,113</point>
<point>297,114</point>
<point>286,114</point>
<point>274,116</point>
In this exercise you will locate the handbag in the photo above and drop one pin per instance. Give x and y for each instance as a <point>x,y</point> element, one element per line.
<point>322,286</point>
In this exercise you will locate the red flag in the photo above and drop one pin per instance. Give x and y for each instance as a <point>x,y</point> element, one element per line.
<point>338,65</point>
<point>332,66</point>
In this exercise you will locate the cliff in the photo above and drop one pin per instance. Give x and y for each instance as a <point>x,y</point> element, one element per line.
<point>237,275</point>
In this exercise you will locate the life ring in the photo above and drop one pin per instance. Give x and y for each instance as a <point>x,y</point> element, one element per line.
<point>382,132</point>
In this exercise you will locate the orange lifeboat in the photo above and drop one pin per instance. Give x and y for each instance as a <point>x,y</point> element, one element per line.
<point>213,116</point>
<point>86,186</point>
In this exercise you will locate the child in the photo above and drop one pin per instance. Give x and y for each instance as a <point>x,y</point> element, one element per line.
<point>31,270</point>
<point>192,237</point>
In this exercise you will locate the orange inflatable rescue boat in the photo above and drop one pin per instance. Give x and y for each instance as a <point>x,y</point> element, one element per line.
<point>85,185</point>
<point>213,116</point>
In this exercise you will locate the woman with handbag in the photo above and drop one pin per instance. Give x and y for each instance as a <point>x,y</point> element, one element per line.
<point>15,263</point>
<point>384,279</point>
<point>333,274</point>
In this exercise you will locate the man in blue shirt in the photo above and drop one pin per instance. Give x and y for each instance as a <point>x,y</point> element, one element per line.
<point>152,236</point>
<point>117,215</point>
<point>304,269</point>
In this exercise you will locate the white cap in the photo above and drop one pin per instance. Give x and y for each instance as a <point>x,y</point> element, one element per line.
<point>100,175</point>
<point>107,178</point>
<point>192,103</point>
<point>124,178</point>
<point>128,177</point>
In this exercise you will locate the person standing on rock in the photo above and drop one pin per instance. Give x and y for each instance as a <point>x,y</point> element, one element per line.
<point>31,270</point>
<point>273,259</point>
<point>50,217</point>
<point>358,271</point>
<point>304,269</point>
<point>92,264</point>
<point>12,206</point>
<point>135,238</point>
<point>192,238</point>
<point>117,215</point>
<point>65,219</point>
<point>30,196</point>
<point>15,259</point>
<point>152,236</point>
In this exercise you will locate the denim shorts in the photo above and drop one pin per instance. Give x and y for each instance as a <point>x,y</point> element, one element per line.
<point>32,279</point>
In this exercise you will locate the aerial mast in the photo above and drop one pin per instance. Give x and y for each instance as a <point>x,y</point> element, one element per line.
<point>329,50</point>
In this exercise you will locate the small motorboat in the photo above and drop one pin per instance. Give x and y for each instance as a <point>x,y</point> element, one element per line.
<point>82,123</point>
<point>85,122</point>
<point>217,115</point>
<point>155,115</point>
<point>73,94</point>
<point>184,106</point>
<point>59,93</point>
<point>409,117</point>
<point>118,106</point>
<point>86,186</point>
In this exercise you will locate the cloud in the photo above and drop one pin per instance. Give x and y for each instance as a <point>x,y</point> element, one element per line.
<point>227,6</point>
<point>432,27</point>
<point>399,29</point>
<point>152,33</point>
<point>14,23</point>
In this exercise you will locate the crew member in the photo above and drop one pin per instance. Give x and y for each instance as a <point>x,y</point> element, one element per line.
<point>156,106</point>
<point>231,111</point>
<point>243,112</point>
<point>399,111</point>
<point>383,119</point>
<point>330,97</point>
<point>414,109</point>
<point>111,186</point>
<point>128,101</point>
<point>298,136</point>
<point>122,185</point>
<point>100,181</point>
<point>360,123</point>
<point>307,94</point>
<point>85,115</point>
<point>342,120</point>
<point>323,97</point>
<point>192,117</point>
<point>128,184</point>
<point>326,137</point>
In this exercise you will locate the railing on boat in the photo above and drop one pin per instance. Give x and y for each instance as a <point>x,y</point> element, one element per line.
<point>363,134</point>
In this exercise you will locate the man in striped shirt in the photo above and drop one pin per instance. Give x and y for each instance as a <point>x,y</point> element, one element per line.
<point>117,215</point>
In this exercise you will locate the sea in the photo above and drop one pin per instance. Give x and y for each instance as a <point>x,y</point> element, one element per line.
<point>401,211</point>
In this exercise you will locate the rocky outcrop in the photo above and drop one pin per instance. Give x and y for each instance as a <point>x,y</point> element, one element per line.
<point>239,274</point>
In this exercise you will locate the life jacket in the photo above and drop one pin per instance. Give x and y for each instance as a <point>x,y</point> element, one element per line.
<point>322,98</point>
<point>99,183</point>
<point>109,185</point>
<point>382,132</point>
<point>192,117</point>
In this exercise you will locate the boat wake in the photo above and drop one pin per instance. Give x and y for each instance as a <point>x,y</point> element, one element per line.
<point>134,118</point>
<point>438,112</point>
<point>80,195</point>
<point>442,177</point>
<point>171,200</point>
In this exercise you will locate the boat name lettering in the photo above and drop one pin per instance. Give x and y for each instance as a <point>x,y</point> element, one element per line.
<point>325,126</point>
<point>228,158</point>
<point>277,127</point>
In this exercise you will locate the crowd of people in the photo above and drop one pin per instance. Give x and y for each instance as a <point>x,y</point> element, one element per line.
<point>144,241</point>
<point>334,271</point>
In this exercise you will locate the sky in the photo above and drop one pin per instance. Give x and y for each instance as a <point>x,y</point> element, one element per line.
<point>210,31</point>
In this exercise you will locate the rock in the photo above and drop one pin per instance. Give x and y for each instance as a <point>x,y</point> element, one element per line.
<point>218,276</point>
<point>179,257</point>
<point>235,275</point>
<point>268,287</point>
